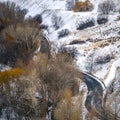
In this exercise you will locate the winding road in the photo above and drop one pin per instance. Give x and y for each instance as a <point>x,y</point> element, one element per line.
<point>97,90</point>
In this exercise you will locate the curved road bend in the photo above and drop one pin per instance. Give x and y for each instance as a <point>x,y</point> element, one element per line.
<point>94,99</point>
<point>95,92</point>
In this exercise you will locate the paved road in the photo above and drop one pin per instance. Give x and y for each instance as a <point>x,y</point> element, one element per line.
<point>95,92</point>
<point>94,100</point>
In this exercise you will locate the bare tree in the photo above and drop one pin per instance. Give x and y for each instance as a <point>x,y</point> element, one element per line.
<point>106,7</point>
<point>57,21</point>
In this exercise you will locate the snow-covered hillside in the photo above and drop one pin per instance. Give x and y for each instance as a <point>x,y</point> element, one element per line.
<point>97,46</point>
<point>94,37</point>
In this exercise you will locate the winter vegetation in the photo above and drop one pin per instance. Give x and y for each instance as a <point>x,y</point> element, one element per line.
<point>85,24</point>
<point>83,6</point>
<point>28,93</point>
<point>57,22</point>
<point>63,33</point>
<point>102,19</point>
<point>59,60</point>
<point>106,7</point>
<point>69,4</point>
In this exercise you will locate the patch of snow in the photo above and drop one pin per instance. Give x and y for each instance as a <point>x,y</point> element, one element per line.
<point>112,73</point>
<point>4,67</point>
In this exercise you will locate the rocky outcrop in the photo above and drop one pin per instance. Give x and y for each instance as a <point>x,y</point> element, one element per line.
<point>45,46</point>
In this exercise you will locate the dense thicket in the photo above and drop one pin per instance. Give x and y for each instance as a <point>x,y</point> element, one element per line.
<point>19,38</point>
<point>37,80</point>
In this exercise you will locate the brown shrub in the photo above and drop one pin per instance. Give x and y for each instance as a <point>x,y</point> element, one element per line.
<point>69,108</point>
<point>53,76</point>
<point>57,74</point>
<point>83,6</point>
<point>19,38</point>
<point>10,14</point>
<point>18,43</point>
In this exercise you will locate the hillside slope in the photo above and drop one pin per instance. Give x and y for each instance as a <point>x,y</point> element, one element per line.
<point>97,46</point>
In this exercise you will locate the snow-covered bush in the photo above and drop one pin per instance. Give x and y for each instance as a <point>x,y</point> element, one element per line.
<point>81,26</point>
<point>77,42</point>
<point>69,4</point>
<point>106,7</point>
<point>72,52</point>
<point>119,33</point>
<point>85,24</point>
<point>38,18</point>
<point>102,19</point>
<point>118,18</point>
<point>42,26</point>
<point>57,21</point>
<point>25,11</point>
<point>63,33</point>
<point>103,59</point>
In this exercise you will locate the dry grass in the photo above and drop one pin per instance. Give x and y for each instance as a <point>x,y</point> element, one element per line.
<point>95,45</point>
<point>69,108</point>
